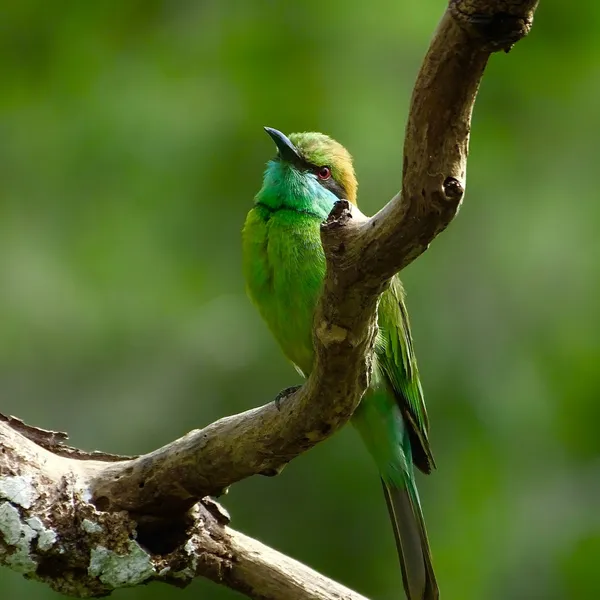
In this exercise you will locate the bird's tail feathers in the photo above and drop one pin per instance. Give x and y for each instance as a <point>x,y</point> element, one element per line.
<point>411,540</point>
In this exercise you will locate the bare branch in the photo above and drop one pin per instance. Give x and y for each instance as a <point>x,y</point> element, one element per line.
<point>89,523</point>
<point>274,575</point>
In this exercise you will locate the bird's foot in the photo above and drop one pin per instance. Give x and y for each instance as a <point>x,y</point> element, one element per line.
<point>285,394</point>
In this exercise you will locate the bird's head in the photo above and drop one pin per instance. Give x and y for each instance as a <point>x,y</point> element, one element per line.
<point>310,172</point>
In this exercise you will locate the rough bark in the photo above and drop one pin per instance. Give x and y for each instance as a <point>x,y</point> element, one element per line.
<point>90,523</point>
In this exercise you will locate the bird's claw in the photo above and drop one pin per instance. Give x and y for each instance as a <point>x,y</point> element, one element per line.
<point>284,394</point>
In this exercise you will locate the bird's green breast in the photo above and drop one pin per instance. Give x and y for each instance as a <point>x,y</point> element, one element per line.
<point>284,267</point>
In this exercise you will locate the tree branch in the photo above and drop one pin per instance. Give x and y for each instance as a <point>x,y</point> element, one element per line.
<point>49,530</point>
<point>90,523</point>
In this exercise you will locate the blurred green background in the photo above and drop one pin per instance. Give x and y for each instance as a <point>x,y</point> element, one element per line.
<point>131,147</point>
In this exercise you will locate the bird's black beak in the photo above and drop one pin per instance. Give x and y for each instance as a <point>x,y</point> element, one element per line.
<point>287,150</point>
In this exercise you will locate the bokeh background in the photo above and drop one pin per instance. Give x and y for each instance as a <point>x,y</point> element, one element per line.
<point>131,147</point>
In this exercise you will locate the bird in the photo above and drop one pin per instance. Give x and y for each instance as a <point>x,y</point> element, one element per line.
<point>284,268</point>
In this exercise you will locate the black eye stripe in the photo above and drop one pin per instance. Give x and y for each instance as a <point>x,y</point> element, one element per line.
<point>330,184</point>
<point>333,186</point>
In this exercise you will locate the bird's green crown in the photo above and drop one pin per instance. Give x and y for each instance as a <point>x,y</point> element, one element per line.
<point>311,171</point>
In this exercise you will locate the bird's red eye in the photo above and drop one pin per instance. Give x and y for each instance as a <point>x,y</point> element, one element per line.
<point>324,173</point>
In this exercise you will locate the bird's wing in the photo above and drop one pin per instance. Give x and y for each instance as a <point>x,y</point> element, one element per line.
<point>399,364</point>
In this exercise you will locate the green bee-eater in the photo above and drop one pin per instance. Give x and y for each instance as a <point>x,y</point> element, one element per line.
<point>284,267</point>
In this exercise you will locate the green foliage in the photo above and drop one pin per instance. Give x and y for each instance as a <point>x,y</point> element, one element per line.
<point>132,146</point>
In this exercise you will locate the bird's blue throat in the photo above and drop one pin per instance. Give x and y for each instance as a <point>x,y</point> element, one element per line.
<point>287,188</point>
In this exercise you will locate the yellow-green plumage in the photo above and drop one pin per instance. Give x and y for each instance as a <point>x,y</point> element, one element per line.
<point>285,297</point>
<point>284,267</point>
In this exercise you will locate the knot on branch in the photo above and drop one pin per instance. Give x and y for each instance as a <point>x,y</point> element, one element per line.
<point>453,189</point>
<point>339,234</point>
<point>340,214</point>
<point>331,230</point>
<point>501,23</point>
